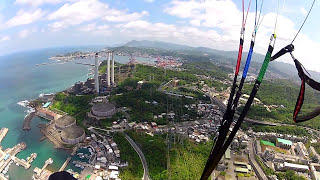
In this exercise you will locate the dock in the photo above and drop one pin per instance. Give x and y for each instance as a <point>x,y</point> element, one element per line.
<point>65,164</point>
<point>21,162</point>
<point>43,138</point>
<point>32,157</point>
<point>42,173</point>
<point>27,121</point>
<point>3,133</point>
<point>2,177</point>
<point>75,149</point>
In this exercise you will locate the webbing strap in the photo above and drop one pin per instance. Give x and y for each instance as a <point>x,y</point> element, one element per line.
<point>313,84</point>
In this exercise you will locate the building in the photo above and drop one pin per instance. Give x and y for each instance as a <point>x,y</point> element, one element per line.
<point>302,150</point>
<point>72,135</point>
<point>47,104</point>
<point>65,122</point>
<point>108,70</point>
<point>290,166</point>
<point>227,155</point>
<point>241,170</point>
<point>283,143</point>
<point>47,114</point>
<point>112,70</point>
<point>96,73</point>
<point>78,87</point>
<point>46,97</point>
<point>103,109</point>
<point>314,155</point>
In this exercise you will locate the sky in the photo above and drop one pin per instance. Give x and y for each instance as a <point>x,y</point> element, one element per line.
<point>35,24</point>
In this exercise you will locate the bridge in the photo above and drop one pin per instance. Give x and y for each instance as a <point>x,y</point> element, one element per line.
<point>142,158</point>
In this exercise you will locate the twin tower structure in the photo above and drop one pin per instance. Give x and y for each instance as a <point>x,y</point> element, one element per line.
<point>109,78</point>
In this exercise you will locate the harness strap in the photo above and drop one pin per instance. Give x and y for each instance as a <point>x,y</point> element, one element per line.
<point>313,84</point>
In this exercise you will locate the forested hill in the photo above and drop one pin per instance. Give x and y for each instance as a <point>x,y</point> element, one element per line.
<point>228,57</point>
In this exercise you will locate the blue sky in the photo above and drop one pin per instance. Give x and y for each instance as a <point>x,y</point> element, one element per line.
<point>33,24</point>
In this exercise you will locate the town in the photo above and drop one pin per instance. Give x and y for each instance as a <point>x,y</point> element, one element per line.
<point>89,118</point>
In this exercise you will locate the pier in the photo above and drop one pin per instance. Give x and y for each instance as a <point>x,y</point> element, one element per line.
<point>75,149</point>
<point>27,121</point>
<point>3,133</point>
<point>21,162</point>
<point>42,173</point>
<point>65,164</point>
<point>2,177</point>
<point>84,64</point>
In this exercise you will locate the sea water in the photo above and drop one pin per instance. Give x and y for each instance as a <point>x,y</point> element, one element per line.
<point>21,79</point>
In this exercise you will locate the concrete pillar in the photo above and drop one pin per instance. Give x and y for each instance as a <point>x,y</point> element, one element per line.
<point>112,70</point>
<point>96,74</point>
<point>108,70</point>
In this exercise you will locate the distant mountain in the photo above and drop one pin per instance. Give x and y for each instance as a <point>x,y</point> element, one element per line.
<point>284,69</point>
<point>157,45</point>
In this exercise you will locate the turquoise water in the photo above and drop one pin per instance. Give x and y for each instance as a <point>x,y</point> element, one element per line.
<point>20,80</point>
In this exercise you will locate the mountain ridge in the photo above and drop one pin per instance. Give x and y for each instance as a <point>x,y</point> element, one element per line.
<point>282,68</point>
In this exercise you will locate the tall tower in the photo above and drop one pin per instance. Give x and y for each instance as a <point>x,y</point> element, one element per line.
<point>112,69</point>
<point>108,70</point>
<point>96,75</point>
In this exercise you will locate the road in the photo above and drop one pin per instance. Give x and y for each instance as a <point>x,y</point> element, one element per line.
<point>255,165</point>
<point>223,108</point>
<point>142,158</point>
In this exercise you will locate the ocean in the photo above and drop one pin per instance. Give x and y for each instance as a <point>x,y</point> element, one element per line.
<point>21,79</point>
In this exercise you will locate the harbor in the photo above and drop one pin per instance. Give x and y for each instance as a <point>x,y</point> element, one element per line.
<point>8,156</point>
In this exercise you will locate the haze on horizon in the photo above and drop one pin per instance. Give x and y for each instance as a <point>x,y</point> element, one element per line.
<point>33,24</point>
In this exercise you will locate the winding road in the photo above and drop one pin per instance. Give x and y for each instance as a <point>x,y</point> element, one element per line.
<point>142,158</point>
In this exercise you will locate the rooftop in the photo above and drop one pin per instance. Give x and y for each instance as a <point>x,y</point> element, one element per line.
<point>267,143</point>
<point>72,132</point>
<point>228,154</point>
<point>286,164</point>
<point>46,104</point>
<point>65,121</point>
<point>243,170</point>
<point>103,107</point>
<point>284,141</point>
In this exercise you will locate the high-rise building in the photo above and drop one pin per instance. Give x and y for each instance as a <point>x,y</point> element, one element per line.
<point>112,69</point>
<point>96,75</point>
<point>108,69</point>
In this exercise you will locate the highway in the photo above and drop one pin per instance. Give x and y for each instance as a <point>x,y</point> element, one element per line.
<point>142,158</point>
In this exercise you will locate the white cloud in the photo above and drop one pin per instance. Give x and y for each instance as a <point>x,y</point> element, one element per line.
<point>166,32</point>
<point>25,17</point>
<point>37,2</point>
<point>92,28</point>
<point>121,16</point>
<point>77,13</point>
<point>88,10</point>
<point>4,38</point>
<point>303,11</point>
<point>26,32</point>
<point>23,33</point>
<point>224,16</point>
<point>195,22</point>
<point>149,1</point>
